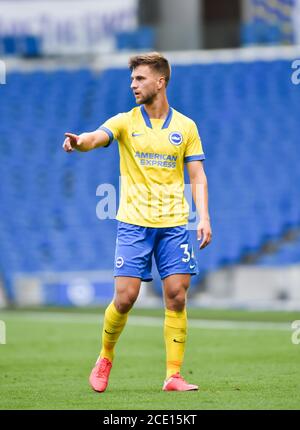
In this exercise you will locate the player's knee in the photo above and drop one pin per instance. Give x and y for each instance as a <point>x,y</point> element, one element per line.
<point>179,302</point>
<point>177,298</point>
<point>123,306</point>
<point>125,302</point>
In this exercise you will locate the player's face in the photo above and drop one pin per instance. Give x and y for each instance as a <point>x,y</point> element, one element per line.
<point>145,84</point>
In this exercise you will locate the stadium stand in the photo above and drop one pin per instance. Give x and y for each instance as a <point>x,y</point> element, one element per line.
<point>25,45</point>
<point>269,23</point>
<point>248,117</point>
<point>287,253</point>
<point>141,39</point>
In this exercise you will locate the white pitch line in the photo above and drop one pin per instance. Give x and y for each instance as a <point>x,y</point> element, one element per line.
<point>79,318</point>
<point>215,324</point>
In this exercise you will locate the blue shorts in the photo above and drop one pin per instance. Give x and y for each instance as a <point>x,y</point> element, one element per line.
<point>171,247</point>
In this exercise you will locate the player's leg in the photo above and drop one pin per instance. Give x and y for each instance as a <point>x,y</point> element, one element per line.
<point>176,263</point>
<point>115,318</point>
<point>133,259</point>
<point>116,314</point>
<point>175,327</point>
<point>175,330</point>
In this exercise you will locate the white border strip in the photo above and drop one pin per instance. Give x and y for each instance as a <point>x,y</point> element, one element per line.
<point>140,321</point>
<point>89,275</point>
<point>247,54</point>
<point>120,59</point>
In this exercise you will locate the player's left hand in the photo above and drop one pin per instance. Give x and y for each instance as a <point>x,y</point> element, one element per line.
<point>204,232</point>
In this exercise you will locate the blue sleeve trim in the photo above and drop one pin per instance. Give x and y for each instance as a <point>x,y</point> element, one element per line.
<point>199,157</point>
<point>110,135</point>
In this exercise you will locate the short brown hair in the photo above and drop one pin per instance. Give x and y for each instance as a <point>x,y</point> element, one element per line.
<point>153,59</point>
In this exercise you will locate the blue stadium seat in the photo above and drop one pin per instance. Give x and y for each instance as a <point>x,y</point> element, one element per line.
<point>9,45</point>
<point>30,46</point>
<point>141,39</point>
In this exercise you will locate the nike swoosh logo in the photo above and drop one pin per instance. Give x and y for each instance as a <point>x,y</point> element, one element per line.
<point>108,332</point>
<point>177,341</point>
<point>192,267</point>
<point>137,134</point>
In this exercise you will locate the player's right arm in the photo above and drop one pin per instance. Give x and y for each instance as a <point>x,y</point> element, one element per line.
<point>85,141</point>
<point>104,135</point>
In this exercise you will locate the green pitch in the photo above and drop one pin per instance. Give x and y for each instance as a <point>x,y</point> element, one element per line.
<point>48,356</point>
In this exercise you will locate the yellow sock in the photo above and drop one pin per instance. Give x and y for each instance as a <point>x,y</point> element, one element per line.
<point>175,329</point>
<point>113,324</point>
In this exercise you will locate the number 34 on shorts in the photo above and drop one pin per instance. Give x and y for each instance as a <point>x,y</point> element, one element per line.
<point>170,246</point>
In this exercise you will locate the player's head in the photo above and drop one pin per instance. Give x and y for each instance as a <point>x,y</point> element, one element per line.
<point>150,74</point>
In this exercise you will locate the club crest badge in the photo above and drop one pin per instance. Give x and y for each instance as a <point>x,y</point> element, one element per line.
<point>175,138</point>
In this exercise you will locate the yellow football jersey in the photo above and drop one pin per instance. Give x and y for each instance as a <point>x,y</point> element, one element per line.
<point>152,157</point>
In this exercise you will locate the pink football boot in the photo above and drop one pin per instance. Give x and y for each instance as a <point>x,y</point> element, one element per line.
<point>100,374</point>
<point>177,383</point>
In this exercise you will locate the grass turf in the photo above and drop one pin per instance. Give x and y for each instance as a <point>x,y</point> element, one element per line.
<point>46,362</point>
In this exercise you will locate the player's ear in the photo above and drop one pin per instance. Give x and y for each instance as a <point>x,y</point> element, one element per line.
<point>161,82</point>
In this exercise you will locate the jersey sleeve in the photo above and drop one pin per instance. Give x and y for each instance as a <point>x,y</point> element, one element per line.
<point>193,150</point>
<point>114,127</point>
